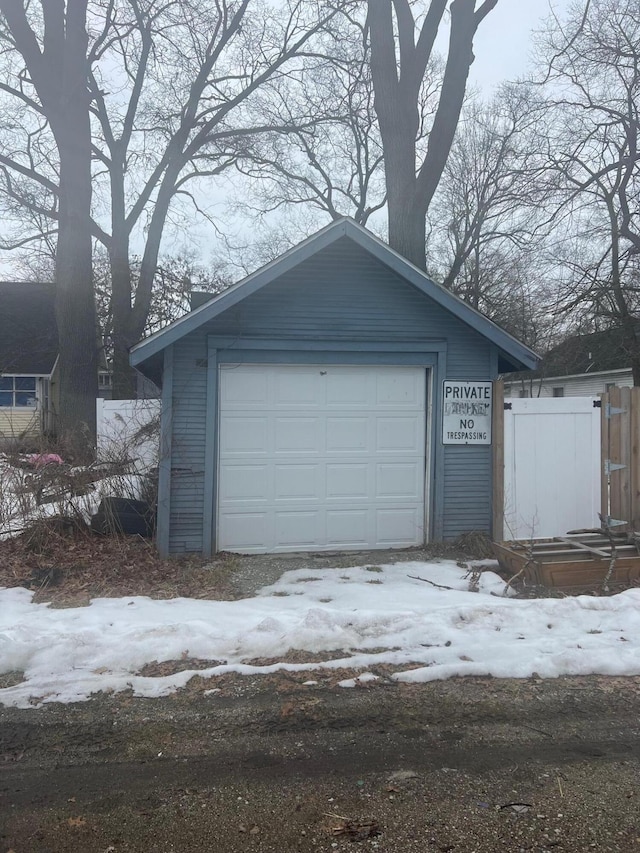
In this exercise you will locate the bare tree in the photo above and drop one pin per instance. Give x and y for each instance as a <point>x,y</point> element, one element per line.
<point>593,75</point>
<point>50,41</point>
<point>171,85</point>
<point>332,166</point>
<point>176,278</point>
<point>488,219</point>
<point>401,50</point>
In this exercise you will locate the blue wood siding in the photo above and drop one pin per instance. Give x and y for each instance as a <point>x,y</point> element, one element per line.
<point>188,445</point>
<point>340,293</point>
<point>344,292</point>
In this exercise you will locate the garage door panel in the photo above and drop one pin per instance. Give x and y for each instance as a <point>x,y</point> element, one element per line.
<point>399,390</point>
<point>347,434</point>
<point>297,482</point>
<point>248,530</point>
<point>297,529</point>
<point>297,387</point>
<point>346,480</point>
<point>244,435</point>
<point>398,480</point>
<point>348,528</point>
<point>348,389</point>
<point>397,526</point>
<point>339,458</point>
<point>296,435</point>
<point>248,389</point>
<point>245,483</point>
<point>400,434</point>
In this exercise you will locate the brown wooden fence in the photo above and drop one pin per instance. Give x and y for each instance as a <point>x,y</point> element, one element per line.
<point>620,442</point>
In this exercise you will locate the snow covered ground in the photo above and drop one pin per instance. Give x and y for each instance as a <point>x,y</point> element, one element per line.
<point>375,614</point>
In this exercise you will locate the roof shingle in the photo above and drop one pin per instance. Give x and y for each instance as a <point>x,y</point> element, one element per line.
<point>28,331</point>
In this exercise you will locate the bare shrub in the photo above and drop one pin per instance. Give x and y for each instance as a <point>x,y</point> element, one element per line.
<point>33,491</point>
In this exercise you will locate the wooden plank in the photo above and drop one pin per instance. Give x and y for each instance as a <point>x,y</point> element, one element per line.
<point>565,571</point>
<point>624,481</point>
<point>572,552</point>
<point>497,438</point>
<point>591,574</point>
<point>615,503</point>
<point>604,546</point>
<point>541,546</point>
<point>583,547</point>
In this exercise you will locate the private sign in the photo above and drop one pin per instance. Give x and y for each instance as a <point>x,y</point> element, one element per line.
<point>466,412</point>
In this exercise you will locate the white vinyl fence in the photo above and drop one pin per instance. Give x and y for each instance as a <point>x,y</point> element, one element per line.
<point>128,428</point>
<point>551,466</point>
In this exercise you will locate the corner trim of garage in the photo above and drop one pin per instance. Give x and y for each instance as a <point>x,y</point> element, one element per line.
<point>164,463</point>
<point>436,505</point>
<point>210,457</point>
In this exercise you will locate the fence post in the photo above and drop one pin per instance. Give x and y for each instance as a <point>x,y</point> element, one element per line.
<point>605,403</point>
<point>634,459</point>
<point>621,457</point>
<point>99,416</point>
<point>497,441</point>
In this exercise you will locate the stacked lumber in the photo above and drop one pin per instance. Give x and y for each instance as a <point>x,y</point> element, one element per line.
<point>575,560</point>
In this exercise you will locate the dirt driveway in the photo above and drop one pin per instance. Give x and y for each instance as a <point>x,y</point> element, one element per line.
<point>270,764</point>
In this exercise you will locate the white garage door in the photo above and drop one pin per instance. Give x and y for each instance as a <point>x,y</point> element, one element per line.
<point>320,457</point>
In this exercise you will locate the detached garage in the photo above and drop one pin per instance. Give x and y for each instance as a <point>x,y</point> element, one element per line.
<point>304,408</point>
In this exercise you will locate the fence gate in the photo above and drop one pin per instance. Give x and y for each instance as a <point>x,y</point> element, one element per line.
<point>620,480</point>
<point>552,480</point>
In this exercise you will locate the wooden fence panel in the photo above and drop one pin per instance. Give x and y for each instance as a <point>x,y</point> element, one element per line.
<point>620,483</point>
<point>634,452</point>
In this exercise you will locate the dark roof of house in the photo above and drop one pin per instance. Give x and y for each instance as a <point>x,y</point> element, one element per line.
<point>593,353</point>
<point>145,355</point>
<point>28,331</point>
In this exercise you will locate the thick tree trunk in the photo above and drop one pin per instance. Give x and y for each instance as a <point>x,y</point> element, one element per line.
<point>75,299</point>
<point>123,374</point>
<point>399,63</point>
<point>407,230</point>
<point>59,73</point>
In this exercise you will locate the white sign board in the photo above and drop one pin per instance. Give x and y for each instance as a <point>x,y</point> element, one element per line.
<point>466,412</point>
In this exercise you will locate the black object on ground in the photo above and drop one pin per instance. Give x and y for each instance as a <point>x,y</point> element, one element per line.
<point>124,515</point>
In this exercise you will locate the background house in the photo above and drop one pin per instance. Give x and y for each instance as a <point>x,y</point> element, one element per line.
<point>302,409</point>
<point>28,355</point>
<point>28,361</point>
<point>580,366</point>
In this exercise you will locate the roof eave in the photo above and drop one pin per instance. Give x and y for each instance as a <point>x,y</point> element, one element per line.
<point>236,293</point>
<point>510,346</point>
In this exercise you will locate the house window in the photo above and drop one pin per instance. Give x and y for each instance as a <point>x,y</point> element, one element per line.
<point>524,393</point>
<point>558,391</point>
<point>18,392</point>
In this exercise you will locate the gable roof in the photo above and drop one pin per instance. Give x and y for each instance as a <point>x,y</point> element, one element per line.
<point>28,331</point>
<point>518,354</point>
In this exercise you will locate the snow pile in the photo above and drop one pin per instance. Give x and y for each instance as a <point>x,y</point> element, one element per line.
<point>375,614</point>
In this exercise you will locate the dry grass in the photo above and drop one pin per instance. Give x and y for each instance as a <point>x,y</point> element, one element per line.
<point>67,564</point>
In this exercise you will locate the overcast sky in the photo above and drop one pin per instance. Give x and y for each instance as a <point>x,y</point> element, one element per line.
<point>503,47</point>
<point>503,42</point>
